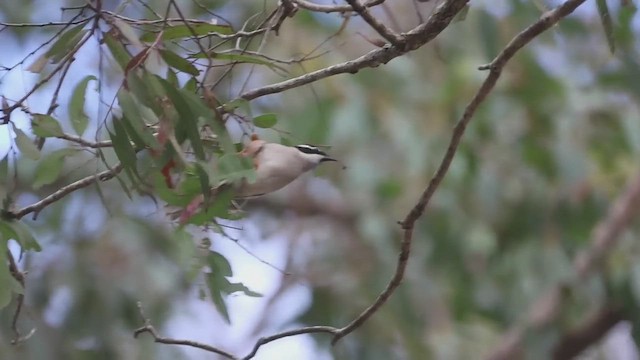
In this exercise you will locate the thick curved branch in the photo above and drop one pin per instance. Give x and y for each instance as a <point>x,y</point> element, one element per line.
<point>437,22</point>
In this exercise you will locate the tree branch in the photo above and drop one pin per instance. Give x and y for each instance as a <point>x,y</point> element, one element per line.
<point>603,239</point>
<point>284,334</point>
<point>64,191</point>
<point>393,38</point>
<point>148,328</point>
<point>308,5</point>
<point>437,22</point>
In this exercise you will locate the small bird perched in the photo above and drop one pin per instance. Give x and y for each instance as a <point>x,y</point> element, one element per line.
<point>275,166</point>
<point>278,165</point>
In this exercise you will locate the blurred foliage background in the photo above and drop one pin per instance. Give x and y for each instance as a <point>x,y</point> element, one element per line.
<point>538,167</point>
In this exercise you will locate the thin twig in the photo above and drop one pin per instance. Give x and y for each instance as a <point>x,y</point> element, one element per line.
<point>148,328</point>
<point>308,5</point>
<point>86,143</point>
<point>379,27</point>
<point>437,22</point>
<point>26,25</point>
<point>284,334</point>
<point>64,191</point>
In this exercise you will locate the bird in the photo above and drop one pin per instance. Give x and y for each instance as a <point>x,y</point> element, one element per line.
<point>275,166</point>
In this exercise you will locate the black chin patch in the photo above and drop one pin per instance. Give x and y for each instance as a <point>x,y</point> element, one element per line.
<point>308,149</point>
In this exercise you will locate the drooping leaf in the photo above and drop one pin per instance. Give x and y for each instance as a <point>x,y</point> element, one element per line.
<point>240,287</point>
<point>188,119</point>
<point>219,264</point>
<point>204,181</point>
<point>182,31</point>
<point>26,145</point>
<point>79,119</point>
<point>60,48</point>
<point>19,232</point>
<point>172,78</point>
<point>45,126</point>
<point>122,145</point>
<point>68,47</point>
<point>50,167</point>
<point>64,40</point>
<point>177,62</point>
<point>265,121</point>
<point>191,85</point>
<point>134,121</point>
<point>214,283</point>
<point>605,17</point>
<point>117,50</point>
<point>128,32</point>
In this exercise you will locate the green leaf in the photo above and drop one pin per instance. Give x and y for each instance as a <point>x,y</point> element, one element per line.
<point>238,58</point>
<point>265,121</point>
<point>134,120</point>
<point>5,288</point>
<point>61,46</point>
<point>49,167</point>
<point>204,181</point>
<point>214,283</point>
<point>237,104</point>
<point>191,85</point>
<point>122,145</point>
<point>219,264</point>
<point>182,31</point>
<point>172,78</point>
<point>79,119</point>
<point>45,126</point>
<point>605,17</point>
<point>188,119</point>
<point>176,61</point>
<point>240,287</point>
<point>128,32</point>
<point>117,50</point>
<point>68,47</point>
<point>26,145</point>
<point>19,232</point>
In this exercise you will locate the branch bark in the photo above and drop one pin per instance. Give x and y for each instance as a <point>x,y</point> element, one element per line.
<point>417,37</point>
<point>64,191</point>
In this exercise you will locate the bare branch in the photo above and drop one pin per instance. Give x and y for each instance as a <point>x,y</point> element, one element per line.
<point>90,144</point>
<point>148,328</point>
<point>308,5</point>
<point>382,29</point>
<point>64,191</point>
<point>418,210</point>
<point>603,239</point>
<point>284,334</point>
<point>437,22</point>
<point>27,25</point>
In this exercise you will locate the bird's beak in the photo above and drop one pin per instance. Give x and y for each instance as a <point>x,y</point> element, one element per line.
<point>327,159</point>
